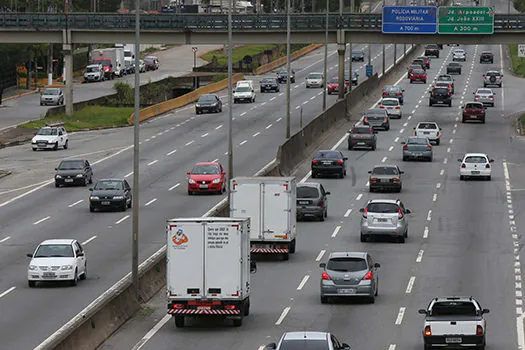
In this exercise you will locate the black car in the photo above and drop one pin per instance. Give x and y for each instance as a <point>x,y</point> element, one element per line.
<point>329,163</point>
<point>358,56</point>
<point>432,50</point>
<point>440,95</point>
<point>377,118</point>
<point>110,194</point>
<point>73,172</point>
<point>355,77</point>
<point>486,57</point>
<point>454,68</point>
<point>208,103</point>
<point>282,74</point>
<point>269,84</point>
<point>412,67</point>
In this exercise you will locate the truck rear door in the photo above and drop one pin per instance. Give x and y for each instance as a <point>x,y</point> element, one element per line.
<point>276,211</point>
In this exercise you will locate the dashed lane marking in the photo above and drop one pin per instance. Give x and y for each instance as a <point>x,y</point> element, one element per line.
<point>217,128</point>
<point>215,160</point>
<point>283,315</point>
<point>359,196</point>
<point>256,134</point>
<point>5,239</point>
<point>205,134</point>
<point>420,256</point>
<point>384,159</point>
<point>347,214</point>
<point>320,255</point>
<point>336,231</point>
<point>89,240</point>
<point>189,143</point>
<point>151,202</point>
<point>429,215</point>
<point>41,220</point>
<point>170,153</point>
<point>410,285</point>
<point>434,197</point>
<point>77,202</point>
<point>121,220</point>
<point>303,282</point>
<point>174,187</point>
<point>269,126</point>
<point>153,162</point>
<point>425,232</point>
<point>129,174</point>
<point>400,315</point>
<point>7,292</point>
<point>243,142</point>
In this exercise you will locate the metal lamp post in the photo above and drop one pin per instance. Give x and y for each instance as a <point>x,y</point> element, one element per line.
<point>325,55</point>
<point>288,68</point>
<point>194,49</point>
<point>230,94</point>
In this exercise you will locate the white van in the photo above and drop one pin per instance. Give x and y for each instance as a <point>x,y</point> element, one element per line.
<point>244,91</point>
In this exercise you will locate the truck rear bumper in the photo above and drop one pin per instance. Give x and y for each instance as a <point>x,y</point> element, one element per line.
<point>270,247</point>
<point>451,341</point>
<point>198,308</point>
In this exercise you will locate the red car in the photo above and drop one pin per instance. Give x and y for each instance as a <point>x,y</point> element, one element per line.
<point>474,111</point>
<point>208,177</point>
<point>333,86</point>
<point>418,75</point>
<point>426,60</point>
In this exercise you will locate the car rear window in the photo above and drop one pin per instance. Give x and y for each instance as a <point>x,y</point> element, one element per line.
<point>492,73</point>
<point>454,308</point>
<point>475,159</point>
<point>304,344</point>
<point>417,141</point>
<point>328,154</point>
<point>382,208</point>
<point>384,170</point>
<point>441,91</point>
<point>474,105</point>
<point>481,91</point>
<point>427,126</point>
<point>361,130</point>
<point>418,71</point>
<point>390,102</point>
<point>307,192</point>
<point>346,264</point>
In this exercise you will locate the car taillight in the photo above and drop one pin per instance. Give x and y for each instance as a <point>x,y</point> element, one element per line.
<point>491,96</point>
<point>315,161</point>
<point>365,213</point>
<point>428,331</point>
<point>437,134</point>
<point>320,204</point>
<point>381,106</point>
<point>352,130</point>
<point>449,93</point>
<point>371,131</point>
<point>368,276</point>
<point>411,74</point>
<point>365,119</point>
<point>405,148</point>
<point>340,161</point>
<point>399,93</point>
<point>415,133</point>
<point>373,179</point>
<point>450,86</point>
<point>463,165</point>
<point>429,148</point>
<point>325,276</point>
<point>477,96</point>
<point>399,214</point>
<point>396,180</point>
<point>397,107</point>
<point>479,330</point>
<point>385,120</point>
<point>487,166</point>
<point>385,93</point>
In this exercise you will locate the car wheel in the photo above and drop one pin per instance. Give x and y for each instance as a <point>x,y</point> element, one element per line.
<point>374,147</point>
<point>430,159</point>
<point>450,104</point>
<point>74,281</point>
<point>342,174</point>
<point>482,121</point>
<point>429,104</point>
<point>91,208</point>
<point>438,141</point>
<point>84,274</point>
<point>489,178</point>
<point>349,148</point>
<point>130,202</point>
<point>321,218</point>
<point>324,300</point>
<point>363,237</point>
<point>463,120</point>
<point>31,284</point>
<point>91,179</point>
<point>399,189</point>
<point>286,256</point>
<point>410,81</point>
<point>34,149</point>
<point>66,145</point>
<point>124,206</point>
<point>291,247</point>
<point>371,189</point>
<point>190,193</point>
<point>197,112</point>
<point>314,175</point>
<point>377,288</point>
<point>86,181</point>
<point>404,159</point>
<point>56,146</point>
<point>387,128</point>
<point>461,177</point>
<point>372,299</point>
<point>424,81</point>
<point>401,239</point>
<point>179,321</point>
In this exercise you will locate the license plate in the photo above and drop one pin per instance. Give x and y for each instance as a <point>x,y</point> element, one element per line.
<point>41,145</point>
<point>384,180</point>
<point>105,203</point>
<point>389,107</point>
<point>346,291</point>
<point>203,186</point>
<point>453,340</point>
<point>382,220</point>
<point>361,143</point>
<point>426,132</point>
<point>48,275</point>
<point>327,163</point>
<point>304,202</point>
<point>68,180</point>
<point>441,101</point>
<point>474,172</point>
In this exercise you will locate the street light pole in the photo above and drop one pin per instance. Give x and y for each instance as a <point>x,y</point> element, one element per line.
<point>230,95</point>
<point>370,45</point>
<point>194,49</point>
<point>384,49</point>
<point>325,55</point>
<point>136,159</point>
<point>288,69</point>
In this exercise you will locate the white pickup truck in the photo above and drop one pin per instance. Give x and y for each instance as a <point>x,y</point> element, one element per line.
<point>454,322</point>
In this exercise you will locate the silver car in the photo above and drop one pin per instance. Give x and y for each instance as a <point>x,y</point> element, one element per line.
<point>308,341</point>
<point>52,96</point>
<point>485,96</point>
<point>384,217</point>
<point>417,147</point>
<point>312,201</point>
<point>385,177</point>
<point>492,77</point>
<point>315,80</point>
<point>349,274</point>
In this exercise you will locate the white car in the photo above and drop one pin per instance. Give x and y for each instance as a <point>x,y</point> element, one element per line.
<point>392,107</point>
<point>314,80</point>
<point>430,130</point>
<point>57,260</point>
<point>244,91</point>
<point>51,136</point>
<point>475,165</point>
<point>459,55</point>
<point>485,96</point>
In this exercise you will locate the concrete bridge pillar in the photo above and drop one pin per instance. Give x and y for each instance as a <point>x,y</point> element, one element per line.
<point>350,66</point>
<point>67,49</point>
<point>341,49</point>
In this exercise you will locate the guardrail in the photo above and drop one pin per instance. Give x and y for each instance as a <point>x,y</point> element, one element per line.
<point>367,22</point>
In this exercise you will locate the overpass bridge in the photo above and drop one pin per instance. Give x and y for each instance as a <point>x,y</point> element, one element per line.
<point>85,28</point>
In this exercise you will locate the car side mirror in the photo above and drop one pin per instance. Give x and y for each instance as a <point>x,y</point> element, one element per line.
<point>491,161</point>
<point>253,90</point>
<point>473,93</point>
<point>422,311</point>
<point>362,210</point>
<point>414,128</point>
<point>407,211</point>
<point>29,255</point>
<point>322,265</point>
<point>403,142</point>
<point>253,267</point>
<point>345,158</point>
<point>370,171</point>
<point>345,346</point>
<point>91,188</point>
<point>401,172</point>
<point>327,193</point>
<point>271,346</point>
<point>188,173</point>
<point>403,90</point>
<point>377,265</point>
<point>485,311</point>
<point>375,131</point>
<point>56,168</point>
<point>460,160</point>
<point>494,93</point>
<point>80,254</point>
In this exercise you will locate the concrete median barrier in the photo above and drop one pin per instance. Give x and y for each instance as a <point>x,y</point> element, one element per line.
<point>282,60</point>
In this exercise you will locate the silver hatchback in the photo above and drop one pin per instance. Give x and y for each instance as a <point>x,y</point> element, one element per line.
<point>384,217</point>
<point>349,274</point>
<point>312,201</point>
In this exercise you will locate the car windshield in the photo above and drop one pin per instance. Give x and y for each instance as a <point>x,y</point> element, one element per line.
<point>268,81</point>
<point>54,251</point>
<point>148,60</point>
<point>460,51</point>
<point>390,102</point>
<point>307,192</point>
<point>417,141</point>
<point>384,208</point>
<point>441,84</point>
<point>444,78</point>
<point>328,154</point>
<point>381,113</point>
<point>486,53</point>
<point>357,53</point>
<point>109,185</point>
<point>484,92</point>
<point>315,76</point>
<point>385,170</point>
<point>453,64</point>
<point>427,126</point>
<point>92,69</point>
<point>71,165</point>
<point>441,91</point>
<point>334,81</point>
<point>474,105</point>
<point>243,89</point>
<point>282,72</point>
<point>475,159</point>
<point>453,308</point>
<point>418,71</point>
<point>207,98</point>
<point>414,67</point>
<point>304,344</point>
<point>346,264</point>
<point>48,132</point>
<point>361,131</point>
<point>392,89</point>
<point>205,170</point>
<point>51,92</point>
<point>492,73</point>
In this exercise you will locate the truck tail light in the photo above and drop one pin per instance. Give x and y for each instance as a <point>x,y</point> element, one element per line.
<point>368,276</point>
<point>340,162</point>
<point>229,307</point>
<point>405,148</point>
<point>487,166</point>
<point>396,180</point>
<point>479,330</point>
<point>385,120</point>
<point>315,161</point>
<point>463,165</point>
<point>428,331</point>
<point>178,306</point>
<point>365,214</point>
<point>325,276</point>
<point>437,134</point>
<point>400,214</point>
<point>399,93</point>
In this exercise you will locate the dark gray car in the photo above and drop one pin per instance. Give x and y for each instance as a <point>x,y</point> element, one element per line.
<point>358,55</point>
<point>417,147</point>
<point>329,162</point>
<point>349,274</point>
<point>362,136</point>
<point>385,177</point>
<point>110,194</point>
<point>73,172</point>
<point>283,73</point>
<point>312,201</point>
<point>377,118</point>
<point>269,84</point>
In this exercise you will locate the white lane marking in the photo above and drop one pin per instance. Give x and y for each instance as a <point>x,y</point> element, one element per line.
<point>401,131</point>
<point>425,232</point>
<point>451,140</point>
<point>205,134</point>
<point>273,98</point>
<point>396,139</point>
<point>348,212</point>
<point>429,215</point>
<point>434,197</point>
<point>147,140</point>
<point>320,255</point>
<point>128,174</point>
<point>151,202</point>
<point>311,98</point>
<point>438,185</point>
<point>367,184</point>
<point>189,143</point>
<point>217,128</point>
<point>454,131</point>
<point>391,148</point>
<point>89,240</point>
<point>305,102</point>
<point>5,239</point>
<point>7,292</point>
<point>278,120</point>
<point>225,153</point>
<point>420,256</point>
<point>410,285</point>
<point>243,142</point>
<point>400,315</point>
<point>77,202</point>
<point>359,196</point>
<point>152,332</point>
<point>392,347</point>
<point>269,126</point>
<point>215,160</point>
<point>174,187</point>
<point>303,282</point>
<point>384,159</point>
<point>336,231</point>
<point>243,113</point>
<point>413,111</point>
<point>405,124</point>
<point>23,188</point>
<point>283,315</point>
<point>170,153</point>
<point>41,220</point>
<point>445,161</point>
<point>257,133</point>
<point>121,220</point>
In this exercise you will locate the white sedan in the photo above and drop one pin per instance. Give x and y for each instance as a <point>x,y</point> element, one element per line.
<point>475,165</point>
<point>430,130</point>
<point>459,55</point>
<point>57,260</point>
<point>392,107</point>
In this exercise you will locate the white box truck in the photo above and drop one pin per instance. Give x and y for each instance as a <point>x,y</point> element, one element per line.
<point>112,59</point>
<point>270,203</point>
<point>208,268</point>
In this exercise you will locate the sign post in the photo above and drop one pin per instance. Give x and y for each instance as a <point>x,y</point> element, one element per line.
<point>369,70</point>
<point>409,20</point>
<point>465,20</point>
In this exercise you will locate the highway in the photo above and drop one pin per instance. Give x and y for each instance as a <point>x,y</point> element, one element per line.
<point>170,146</point>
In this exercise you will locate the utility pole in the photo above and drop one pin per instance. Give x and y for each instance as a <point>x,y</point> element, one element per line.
<point>230,94</point>
<point>341,49</point>
<point>325,55</point>
<point>49,64</point>
<point>288,69</point>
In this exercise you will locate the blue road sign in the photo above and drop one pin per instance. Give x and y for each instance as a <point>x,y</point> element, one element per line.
<point>409,19</point>
<point>369,70</point>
